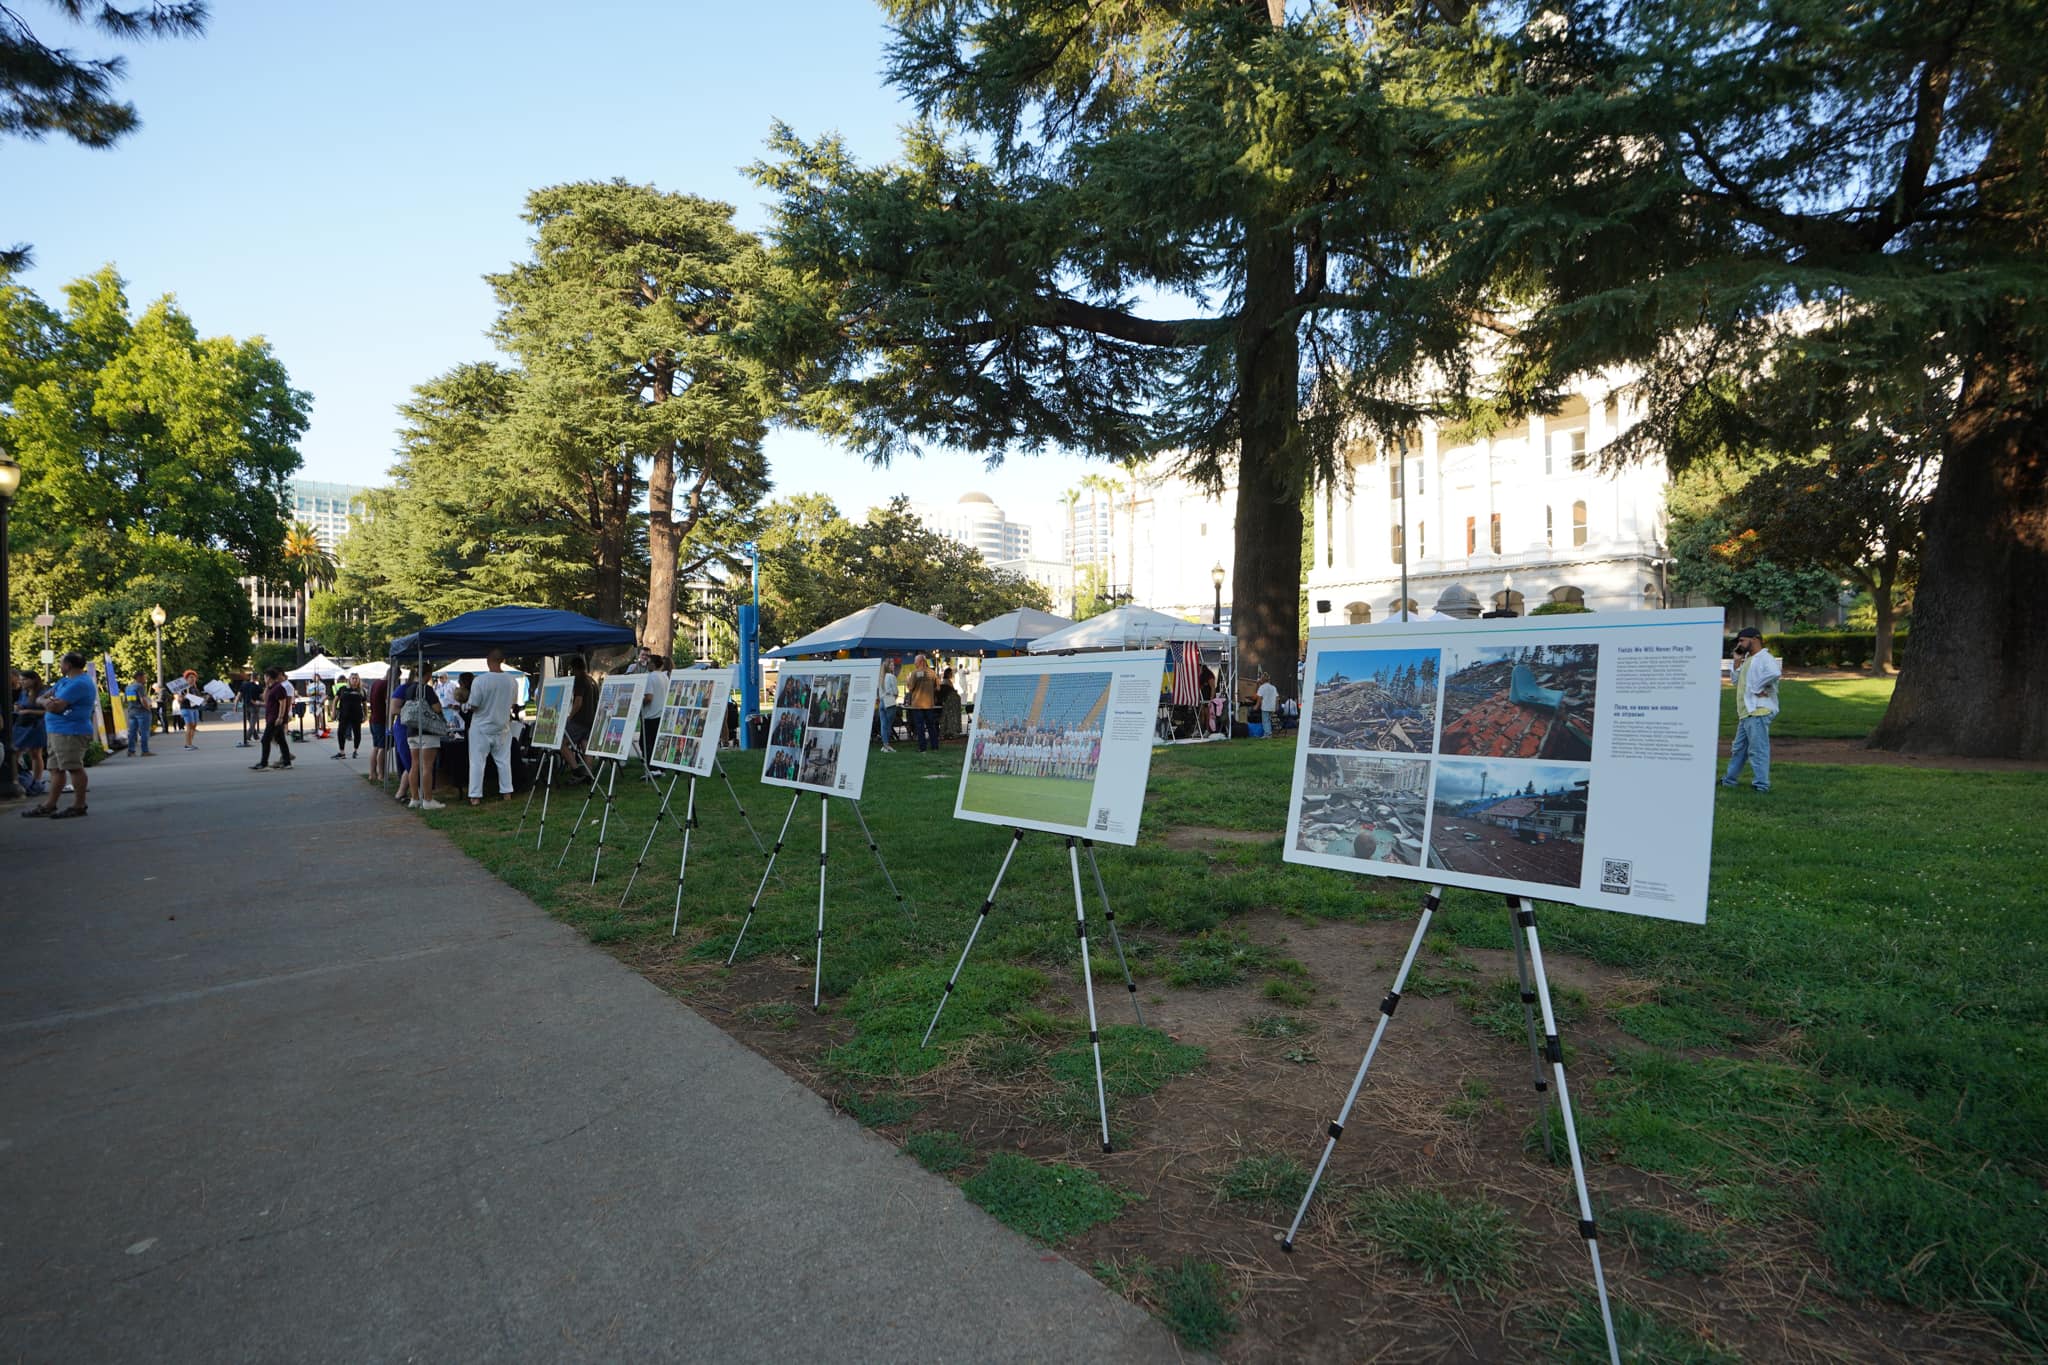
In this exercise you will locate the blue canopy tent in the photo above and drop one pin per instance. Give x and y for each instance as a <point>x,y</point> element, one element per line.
<point>883,629</point>
<point>516,630</point>
<point>1015,630</point>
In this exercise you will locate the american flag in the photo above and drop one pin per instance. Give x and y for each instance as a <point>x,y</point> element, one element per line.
<point>1187,673</point>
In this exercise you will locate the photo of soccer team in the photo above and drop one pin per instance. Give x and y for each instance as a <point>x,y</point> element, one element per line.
<point>1036,747</point>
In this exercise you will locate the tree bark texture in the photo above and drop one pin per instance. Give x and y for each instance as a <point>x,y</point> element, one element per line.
<point>1975,682</point>
<point>658,632</point>
<point>1264,598</point>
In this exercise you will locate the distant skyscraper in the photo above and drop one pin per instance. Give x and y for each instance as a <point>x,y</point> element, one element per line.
<point>976,522</point>
<point>326,507</point>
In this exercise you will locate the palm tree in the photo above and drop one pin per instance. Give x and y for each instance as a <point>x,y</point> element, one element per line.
<point>1071,497</point>
<point>1131,468</point>
<point>306,562</point>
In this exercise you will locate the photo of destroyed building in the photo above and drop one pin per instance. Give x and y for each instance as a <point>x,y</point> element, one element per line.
<point>1378,699</point>
<point>1521,701</point>
<point>1368,809</point>
<point>1520,821</point>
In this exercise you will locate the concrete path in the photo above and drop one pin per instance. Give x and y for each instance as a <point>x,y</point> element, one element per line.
<point>283,1076</point>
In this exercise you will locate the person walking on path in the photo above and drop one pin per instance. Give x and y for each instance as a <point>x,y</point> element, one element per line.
<point>1756,701</point>
<point>316,697</point>
<point>190,702</point>
<point>491,698</point>
<point>277,711</point>
<point>1269,704</point>
<point>349,705</point>
<point>885,708</point>
<point>924,704</point>
<point>68,710</point>
<point>141,715</point>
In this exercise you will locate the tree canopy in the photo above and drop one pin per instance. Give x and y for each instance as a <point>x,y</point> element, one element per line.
<point>153,468</point>
<point>817,566</point>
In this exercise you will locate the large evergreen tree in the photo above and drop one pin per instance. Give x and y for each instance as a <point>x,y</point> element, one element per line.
<point>1122,229</point>
<point>1741,198</point>
<point>623,323</point>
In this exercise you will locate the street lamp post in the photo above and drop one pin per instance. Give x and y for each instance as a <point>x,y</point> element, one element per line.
<point>10,481</point>
<point>1216,578</point>
<point>157,617</point>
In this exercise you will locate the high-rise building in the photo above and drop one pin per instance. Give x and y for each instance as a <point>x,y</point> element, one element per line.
<point>326,508</point>
<point>976,522</point>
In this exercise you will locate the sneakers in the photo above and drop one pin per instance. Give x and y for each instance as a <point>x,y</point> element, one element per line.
<point>258,767</point>
<point>340,757</point>
<point>430,805</point>
<point>888,748</point>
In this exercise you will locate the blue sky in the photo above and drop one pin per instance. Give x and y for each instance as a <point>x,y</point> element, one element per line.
<point>1370,663</point>
<point>338,179</point>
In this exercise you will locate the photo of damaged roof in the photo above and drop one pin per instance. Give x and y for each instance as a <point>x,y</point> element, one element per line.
<point>1529,701</point>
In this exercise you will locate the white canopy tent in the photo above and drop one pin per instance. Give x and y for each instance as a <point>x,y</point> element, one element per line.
<point>371,672</point>
<point>319,666</point>
<point>462,666</point>
<point>1142,628</point>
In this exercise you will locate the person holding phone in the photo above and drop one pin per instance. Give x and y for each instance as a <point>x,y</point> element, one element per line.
<point>1756,677</point>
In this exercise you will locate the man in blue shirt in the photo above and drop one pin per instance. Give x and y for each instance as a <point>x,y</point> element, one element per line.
<point>68,709</point>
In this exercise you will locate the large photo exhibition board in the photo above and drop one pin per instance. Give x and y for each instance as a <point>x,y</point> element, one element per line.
<point>617,723</point>
<point>692,713</point>
<point>1563,758</point>
<point>1063,744</point>
<point>818,731</point>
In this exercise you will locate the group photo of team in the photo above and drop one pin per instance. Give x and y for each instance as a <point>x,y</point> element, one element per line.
<point>1036,747</point>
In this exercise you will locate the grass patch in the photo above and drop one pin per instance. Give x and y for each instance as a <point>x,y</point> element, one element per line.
<point>779,1015</point>
<point>1280,1026</point>
<point>1219,958</point>
<point>1292,994</point>
<point>939,1151</point>
<point>1196,1302</point>
<point>880,1109</point>
<point>1459,1240</point>
<point>1044,1200</point>
<point>1135,1061</point>
<point>1667,1246</point>
<point>1475,1097</point>
<point>1644,1338</point>
<point>1269,1182</point>
<point>1679,1017</point>
<point>1821,708</point>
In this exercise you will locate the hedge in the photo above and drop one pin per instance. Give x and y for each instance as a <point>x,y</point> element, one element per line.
<point>1826,648</point>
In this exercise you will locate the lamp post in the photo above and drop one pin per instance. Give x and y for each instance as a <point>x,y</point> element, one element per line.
<point>157,617</point>
<point>1216,578</point>
<point>10,481</point>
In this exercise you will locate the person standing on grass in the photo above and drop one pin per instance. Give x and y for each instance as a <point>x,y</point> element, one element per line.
<point>1756,702</point>
<point>582,710</point>
<point>653,697</point>
<point>68,710</point>
<point>885,707</point>
<point>491,698</point>
<point>277,711</point>
<point>348,718</point>
<point>1269,704</point>
<point>141,715</point>
<point>924,704</point>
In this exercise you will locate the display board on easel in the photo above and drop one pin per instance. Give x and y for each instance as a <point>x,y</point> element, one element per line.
<point>818,732</point>
<point>1564,758</point>
<point>551,712</point>
<point>616,725</point>
<point>686,737</point>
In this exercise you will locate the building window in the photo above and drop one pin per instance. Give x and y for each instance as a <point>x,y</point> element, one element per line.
<point>1493,533</point>
<point>1394,468</point>
<point>1394,539</point>
<point>1578,523</point>
<point>1471,536</point>
<point>1418,478</point>
<point>1395,607</point>
<point>1549,528</point>
<point>1576,440</point>
<point>1357,614</point>
<point>1509,600</point>
<point>1570,596</point>
<point>1565,450</point>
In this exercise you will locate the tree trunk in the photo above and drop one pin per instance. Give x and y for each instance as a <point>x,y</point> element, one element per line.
<point>659,631</point>
<point>1264,595</point>
<point>1883,584</point>
<point>612,502</point>
<point>1976,681</point>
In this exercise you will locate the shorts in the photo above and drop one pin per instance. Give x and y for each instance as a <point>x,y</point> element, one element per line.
<point>422,744</point>
<point>380,735</point>
<point>67,752</point>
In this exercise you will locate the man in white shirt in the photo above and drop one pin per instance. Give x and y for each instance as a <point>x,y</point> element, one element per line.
<point>652,697</point>
<point>491,698</point>
<point>1269,705</point>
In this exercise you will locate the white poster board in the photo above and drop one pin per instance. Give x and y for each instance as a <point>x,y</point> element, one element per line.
<point>1563,758</point>
<point>818,731</point>
<point>552,713</point>
<point>1063,744</point>
<point>617,723</point>
<point>692,710</point>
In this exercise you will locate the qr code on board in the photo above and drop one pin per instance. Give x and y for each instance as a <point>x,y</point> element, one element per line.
<point>1102,817</point>
<point>1614,876</point>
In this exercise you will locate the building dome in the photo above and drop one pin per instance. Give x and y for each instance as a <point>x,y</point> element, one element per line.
<point>1459,601</point>
<point>977,497</point>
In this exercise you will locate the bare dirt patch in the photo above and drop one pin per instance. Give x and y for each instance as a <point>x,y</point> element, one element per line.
<point>1855,751</point>
<point>1199,837</point>
<point>1449,1106</point>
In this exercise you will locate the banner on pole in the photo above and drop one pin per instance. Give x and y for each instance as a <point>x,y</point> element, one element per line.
<point>1564,758</point>
<point>1063,744</point>
<point>617,723</point>
<point>818,731</point>
<point>692,713</point>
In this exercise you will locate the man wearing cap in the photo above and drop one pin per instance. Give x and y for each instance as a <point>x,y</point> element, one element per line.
<point>1756,701</point>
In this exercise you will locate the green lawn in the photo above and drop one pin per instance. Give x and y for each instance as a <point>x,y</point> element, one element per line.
<point>1854,1041</point>
<point>1820,708</point>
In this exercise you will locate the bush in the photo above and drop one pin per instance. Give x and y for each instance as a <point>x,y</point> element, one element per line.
<point>1558,609</point>
<point>1825,648</point>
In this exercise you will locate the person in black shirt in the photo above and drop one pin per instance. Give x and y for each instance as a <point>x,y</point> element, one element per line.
<point>350,704</point>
